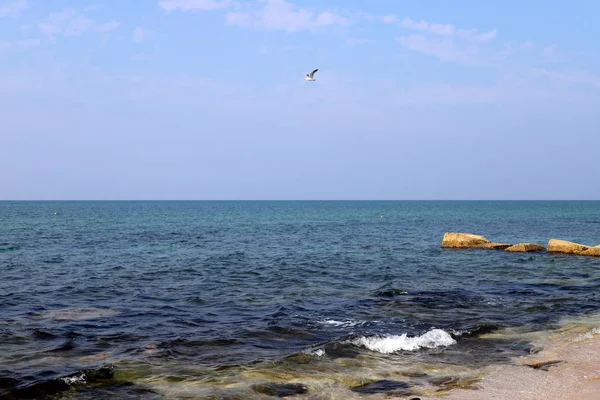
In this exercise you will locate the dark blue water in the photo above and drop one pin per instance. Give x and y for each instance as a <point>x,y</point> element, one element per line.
<point>215,296</point>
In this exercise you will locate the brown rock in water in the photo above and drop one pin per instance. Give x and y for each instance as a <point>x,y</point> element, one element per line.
<point>562,246</point>
<point>526,248</point>
<point>544,365</point>
<point>592,252</point>
<point>460,240</point>
<point>498,246</point>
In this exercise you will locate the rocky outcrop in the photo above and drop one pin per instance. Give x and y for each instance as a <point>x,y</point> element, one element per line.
<point>460,240</point>
<point>562,246</point>
<point>592,252</point>
<point>463,240</point>
<point>525,248</point>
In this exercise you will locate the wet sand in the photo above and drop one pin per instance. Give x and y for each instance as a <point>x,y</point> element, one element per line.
<point>568,368</point>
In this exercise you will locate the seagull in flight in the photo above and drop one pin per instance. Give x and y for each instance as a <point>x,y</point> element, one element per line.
<point>310,77</point>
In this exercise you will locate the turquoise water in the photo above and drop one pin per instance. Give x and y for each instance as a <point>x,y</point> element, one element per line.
<point>201,299</point>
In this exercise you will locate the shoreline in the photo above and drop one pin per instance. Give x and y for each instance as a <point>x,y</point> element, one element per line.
<point>563,365</point>
<point>567,367</point>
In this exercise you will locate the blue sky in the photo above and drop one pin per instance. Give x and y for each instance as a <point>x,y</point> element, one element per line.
<point>205,99</point>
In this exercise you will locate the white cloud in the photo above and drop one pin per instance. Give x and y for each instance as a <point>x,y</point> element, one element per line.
<point>27,44</point>
<point>139,34</point>
<point>107,27</point>
<point>282,15</point>
<point>449,30</point>
<point>70,23</point>
<point>54,23</point>
<point>444,49</point>
<point>19,45</point>
<point>567,78</point>
<point>77,26</point>
<point>190,5</point>
<point>527,45</point>
<point>390,19</point>
<point>13,9</point>
<point>513,50</point>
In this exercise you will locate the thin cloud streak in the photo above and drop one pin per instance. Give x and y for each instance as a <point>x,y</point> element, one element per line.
<point>13,9</point>
<point>285,16</point>
<point>191,5</point>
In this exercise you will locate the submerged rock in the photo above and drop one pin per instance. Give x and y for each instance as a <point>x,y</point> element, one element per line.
<point>447,383</point>
<point>562,246</point>
<point>461,240</point>
<point>525,248</point>
<point>280,389</point>
<point>54,386</point>
<point>444,381</point>
<point>7,382</point>
<point>400,388</point>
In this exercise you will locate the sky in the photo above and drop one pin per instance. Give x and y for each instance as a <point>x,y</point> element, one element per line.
<point>206,99</point>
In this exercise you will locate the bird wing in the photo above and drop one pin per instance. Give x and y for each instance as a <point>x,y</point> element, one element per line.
<point>313,73</point>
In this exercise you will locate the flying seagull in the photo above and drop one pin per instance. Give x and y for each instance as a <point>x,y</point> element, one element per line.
<point>310,77</point>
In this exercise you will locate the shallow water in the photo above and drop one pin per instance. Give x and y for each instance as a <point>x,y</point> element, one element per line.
<point>203,299</point>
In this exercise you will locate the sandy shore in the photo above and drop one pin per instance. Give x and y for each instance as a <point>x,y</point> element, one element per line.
<point>568,368</point>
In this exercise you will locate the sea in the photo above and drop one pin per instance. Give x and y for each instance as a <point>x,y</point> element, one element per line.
<point>267,299</point>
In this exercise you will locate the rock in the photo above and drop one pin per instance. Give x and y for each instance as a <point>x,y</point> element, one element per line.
<point>280,389</point>
<point>544,365</point>
<point>498,246</point>
<point>389,387</point>
<point>7,382</point>
<point>460,240</point>
<point>526,247</point>
<point>47,389</point>
<point>444,381</point>
<point>562,246</point>
<point>592,252</point>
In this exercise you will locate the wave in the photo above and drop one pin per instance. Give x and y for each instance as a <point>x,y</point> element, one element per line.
<point>393,343</point>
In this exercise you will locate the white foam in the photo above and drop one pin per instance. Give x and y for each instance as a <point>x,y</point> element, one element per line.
<point>74,379</point>
<point>318,353</point>
<point>314,352</point>
<point>393,343</point>
<point>346,324</point>
<point>589,334</point>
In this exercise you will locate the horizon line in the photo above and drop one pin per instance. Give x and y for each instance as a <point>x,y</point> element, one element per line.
<point>281,200</point>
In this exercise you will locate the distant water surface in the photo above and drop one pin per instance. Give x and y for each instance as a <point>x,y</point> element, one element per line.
<point>249,299</point>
